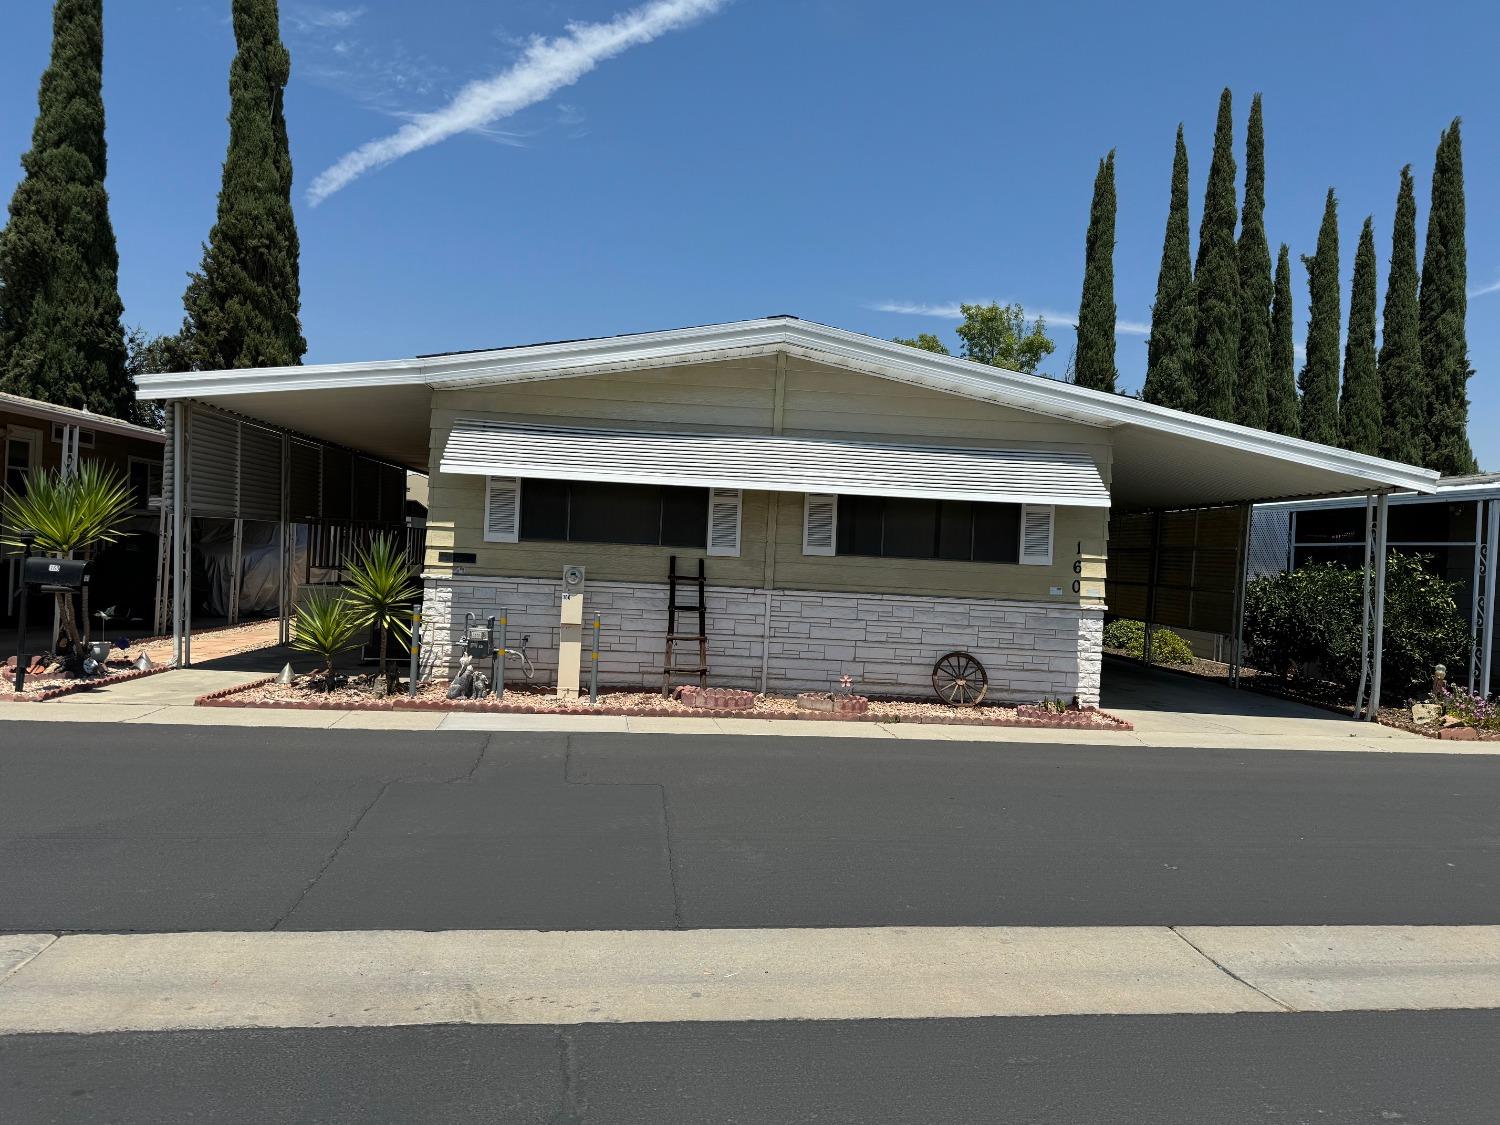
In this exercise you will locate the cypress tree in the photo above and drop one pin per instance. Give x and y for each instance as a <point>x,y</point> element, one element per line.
<point>1281,383</point>
<point>244,303</point>
<point>1359,409</point>
<point>1216,283</point>
<point>1170,350</point>
<point>1443,307</point>
<point>61,339</point>
<point>1251,407</point>
<point>1095,363</point>
<point>1403,390</point>
<point>1320,374</point>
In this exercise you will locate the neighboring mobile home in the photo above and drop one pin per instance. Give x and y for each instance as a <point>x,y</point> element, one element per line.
<point>38,435</point>
<point>860,507</point>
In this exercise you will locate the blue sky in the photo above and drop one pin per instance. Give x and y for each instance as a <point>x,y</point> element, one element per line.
<point>833,159</point>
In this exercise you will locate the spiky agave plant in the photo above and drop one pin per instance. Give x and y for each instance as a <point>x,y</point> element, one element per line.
<point>380,584</point>
<point>70,513</point>
<point>325,624</point>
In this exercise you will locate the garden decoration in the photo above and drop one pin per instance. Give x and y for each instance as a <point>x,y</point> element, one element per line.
<point>960,680</point>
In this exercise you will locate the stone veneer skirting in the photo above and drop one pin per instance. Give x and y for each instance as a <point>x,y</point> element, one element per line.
<point>886,643</point>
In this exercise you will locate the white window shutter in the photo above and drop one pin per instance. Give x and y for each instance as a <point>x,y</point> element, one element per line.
<point>724,522</point>
<point>1036,534</point>
<point>502,509</point>
<point>820,521</point>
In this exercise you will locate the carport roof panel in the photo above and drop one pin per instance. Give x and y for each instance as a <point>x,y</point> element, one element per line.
<point>773,463</point>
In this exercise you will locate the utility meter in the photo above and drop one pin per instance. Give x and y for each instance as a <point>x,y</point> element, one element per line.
<point>572,580</point>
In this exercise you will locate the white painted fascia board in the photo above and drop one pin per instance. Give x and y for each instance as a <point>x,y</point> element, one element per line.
<point>898,362</point>
<point>32,408</point>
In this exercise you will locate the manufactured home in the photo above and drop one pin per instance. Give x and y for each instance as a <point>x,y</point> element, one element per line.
<point>858,508</point>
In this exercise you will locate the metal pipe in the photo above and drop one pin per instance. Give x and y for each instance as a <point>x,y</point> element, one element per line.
<point>1364,599</point>
<point>1382,511</point>
<point>594,663</point>
<point>415,645</point>
<point>176,569</point>
<point>1491,547</point>
<point>499,670</point>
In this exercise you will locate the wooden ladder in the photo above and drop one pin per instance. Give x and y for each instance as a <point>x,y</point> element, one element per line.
<point>675,634</point>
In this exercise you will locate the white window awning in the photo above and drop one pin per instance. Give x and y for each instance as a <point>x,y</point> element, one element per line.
<point>773,463</point>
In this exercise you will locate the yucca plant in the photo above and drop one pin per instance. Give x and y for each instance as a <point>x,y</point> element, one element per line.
<point>70,513</point>
<point>325,625</point>
<point>381,585</point>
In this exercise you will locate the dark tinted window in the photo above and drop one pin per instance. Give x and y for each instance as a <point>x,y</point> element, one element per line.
<point>601,512</point>
<point>893,528</point>
<point>1431,523</point>
<point>1333,525</point>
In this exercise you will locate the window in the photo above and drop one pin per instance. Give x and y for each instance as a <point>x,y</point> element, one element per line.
<point>85,437</point>
<point>603,512</point>
<point>145,482</point>
<point>22,449</point>
<point>960,530</point>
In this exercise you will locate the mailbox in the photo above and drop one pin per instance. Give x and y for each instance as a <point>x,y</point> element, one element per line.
<point>56,574</point>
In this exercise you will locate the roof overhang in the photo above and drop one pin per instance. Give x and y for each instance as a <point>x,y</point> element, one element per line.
<point>772,463</point>
<point>1162,458</point>
<point>46,411</point>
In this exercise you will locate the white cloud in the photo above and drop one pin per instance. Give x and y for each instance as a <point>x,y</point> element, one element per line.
<point>953,312</point>
<point>546,66</point>
<point>314,17</point>
<point>1492,287</point>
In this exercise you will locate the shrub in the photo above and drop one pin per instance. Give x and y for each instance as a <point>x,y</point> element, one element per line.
<point>1166,646</point>
<point>325,625</point>
<point>1307,624</point>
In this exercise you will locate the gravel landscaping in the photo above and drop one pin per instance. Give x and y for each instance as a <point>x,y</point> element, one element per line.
<point>361,693</point>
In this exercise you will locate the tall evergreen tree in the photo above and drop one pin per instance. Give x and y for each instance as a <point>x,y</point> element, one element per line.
<point>1320,374</point>
<point>1443,307</point>
<point>1169,352</point>
<point>1403,389</point>
<point>1282,408</point>
<point>1216,283</point>
<point>244,303</point>
<point>61,339</point>
<point>1095,363</point>
<point>1251,407</point>
<point>1359,409</point>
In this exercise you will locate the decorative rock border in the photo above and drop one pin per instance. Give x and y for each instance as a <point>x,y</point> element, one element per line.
<point>490,706</point>
<point>72,687</point>
<point>838,705</point>
<point>716,698</point>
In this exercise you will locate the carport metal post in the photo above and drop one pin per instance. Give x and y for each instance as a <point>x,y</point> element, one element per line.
<point>1364,601</point>
<point>1151,586</point>
<point>1491,546</point>
<point>283,582</point>
<point>1477,600</point>
<point>1238,657</point>
<point>178,449</point>
<point>1382,511</point>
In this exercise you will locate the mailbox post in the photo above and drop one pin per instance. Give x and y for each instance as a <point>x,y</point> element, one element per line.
<point>23,658</point>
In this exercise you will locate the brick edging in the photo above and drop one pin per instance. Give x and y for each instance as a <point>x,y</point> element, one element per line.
<point>76,686</point>
<point>224,698</point>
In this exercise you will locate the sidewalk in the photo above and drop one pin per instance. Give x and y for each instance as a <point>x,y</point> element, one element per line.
<point>167,700</point>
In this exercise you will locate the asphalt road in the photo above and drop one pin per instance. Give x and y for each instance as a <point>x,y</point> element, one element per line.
<point>116,828</point>
<point>1418,1068</point>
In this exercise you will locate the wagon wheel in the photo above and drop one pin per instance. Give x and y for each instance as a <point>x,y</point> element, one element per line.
<point>960,680</point>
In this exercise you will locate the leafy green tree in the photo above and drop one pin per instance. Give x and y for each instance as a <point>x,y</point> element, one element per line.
<point>926,341</point>
<point>1359,409</point>
<point>1169,356</point>
<point>1094,363</point>
<point>1282,408</point>
<point>1253,256</point>
<point>1319,381</point>
<point>1216,282</point>
<point>1443,309</point>
<point>1000,336</point>
<point>381,588</point>
<point>243,305</point>
<point>71,513</point>
<point>1403,389</point>
<point>60,334</point>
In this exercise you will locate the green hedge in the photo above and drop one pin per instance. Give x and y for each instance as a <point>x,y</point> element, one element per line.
<point>1306,625</point>
<point>1166,646</point>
